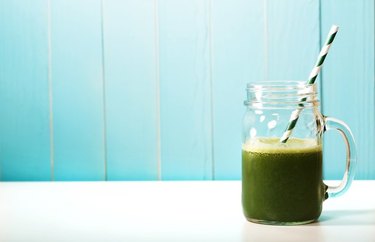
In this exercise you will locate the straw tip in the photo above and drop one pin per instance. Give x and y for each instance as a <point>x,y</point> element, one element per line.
<point>334,28</point>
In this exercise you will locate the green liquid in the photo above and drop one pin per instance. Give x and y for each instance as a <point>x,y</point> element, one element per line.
<point>282,182</point>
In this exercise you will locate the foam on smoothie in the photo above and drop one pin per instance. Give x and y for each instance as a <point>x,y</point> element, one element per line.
<point>273,145</point>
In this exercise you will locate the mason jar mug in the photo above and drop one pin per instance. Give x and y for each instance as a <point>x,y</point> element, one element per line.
<point>282,162</point>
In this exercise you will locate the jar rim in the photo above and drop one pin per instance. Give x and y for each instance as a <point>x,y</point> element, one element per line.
<point>278,84</point>
<point>281,94</point>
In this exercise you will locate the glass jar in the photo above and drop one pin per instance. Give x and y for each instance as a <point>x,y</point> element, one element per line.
<point>282,153</point>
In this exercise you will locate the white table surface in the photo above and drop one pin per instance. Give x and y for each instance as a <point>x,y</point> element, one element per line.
<point>166,211</point>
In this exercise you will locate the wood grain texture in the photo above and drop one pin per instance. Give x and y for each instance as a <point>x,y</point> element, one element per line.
<point>348,83</point>
<point>77,90</point>
<point>238,58</point>
<point>186,146</point>
<point>24,103</point>
<point>131,85</point>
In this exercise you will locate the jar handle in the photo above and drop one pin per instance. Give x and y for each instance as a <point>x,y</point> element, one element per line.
<point>351,155</point>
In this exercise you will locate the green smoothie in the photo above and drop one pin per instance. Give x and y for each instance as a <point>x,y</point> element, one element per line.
<point>282,182</point>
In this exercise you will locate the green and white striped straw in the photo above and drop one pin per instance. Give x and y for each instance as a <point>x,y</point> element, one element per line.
<point>314,73</point>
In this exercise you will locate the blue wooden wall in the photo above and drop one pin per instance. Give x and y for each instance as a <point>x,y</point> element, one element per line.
<point>153,89</point>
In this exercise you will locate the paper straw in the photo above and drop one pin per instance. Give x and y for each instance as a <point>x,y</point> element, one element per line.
<point>314,73</point>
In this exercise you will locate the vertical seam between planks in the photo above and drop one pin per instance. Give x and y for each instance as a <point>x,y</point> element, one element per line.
<point>104,92</point>
<point>367,37</point>
<point>363,97</point>
<point>210,76</point>
<point>50,94</point>
<point>373,83</point>
<point>320,46</point>
<point>157,80</point>
<point>373,68</point>
<point>370,36</point>
<point>265,33</point>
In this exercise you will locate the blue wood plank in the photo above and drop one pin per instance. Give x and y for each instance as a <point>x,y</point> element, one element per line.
<point>186,146</point>
<point>131,84</point>
<point>77,90</point>
<point>292,38</point>
<point>348,83</point>
<point>24,102</point>
<point>238,44</point>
